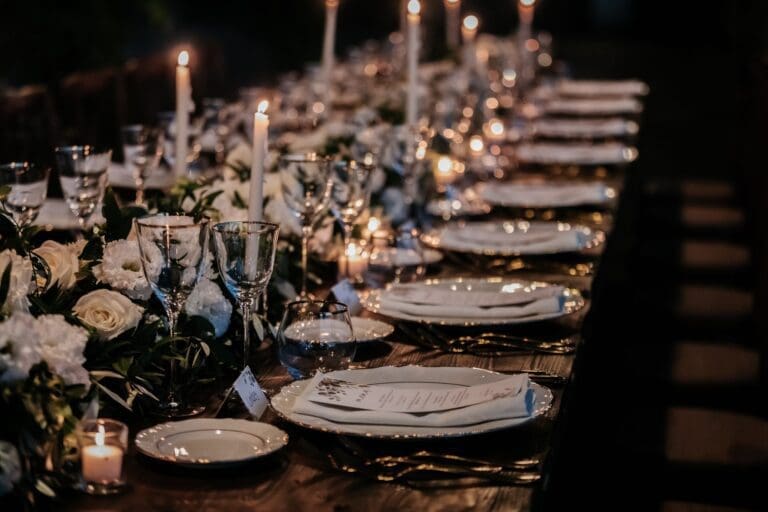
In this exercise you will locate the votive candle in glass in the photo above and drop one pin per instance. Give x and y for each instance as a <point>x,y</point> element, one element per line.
<point>103,444</point>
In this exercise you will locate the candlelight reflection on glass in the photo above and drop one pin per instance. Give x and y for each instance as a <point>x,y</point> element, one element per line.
<point>103,444</point>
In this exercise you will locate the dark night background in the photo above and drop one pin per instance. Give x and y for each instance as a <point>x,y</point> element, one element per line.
<point>43,41</point>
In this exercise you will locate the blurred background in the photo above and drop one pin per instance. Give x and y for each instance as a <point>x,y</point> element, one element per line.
<point>75,71</point>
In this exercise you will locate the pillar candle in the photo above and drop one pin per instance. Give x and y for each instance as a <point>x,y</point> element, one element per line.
<point>412,98</point>
<point>256,191</point>
<point>524,33</point>
<point>183,106</point>
<point>101,462</point>
<point>452,12</point>
<point>468,35</point>
<point>329,43</point>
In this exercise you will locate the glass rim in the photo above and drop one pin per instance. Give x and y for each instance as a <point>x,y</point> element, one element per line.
<point>293,304</point>
<point>263,227</point>
<point>111,426</point>
<point>309,157</point>
<point>144,221</point>
<point>87,149</point>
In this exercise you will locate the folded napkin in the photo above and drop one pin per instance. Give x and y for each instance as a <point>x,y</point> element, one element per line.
<point>590,128</point>
<point>516,405</point>
<point>602,88</point>
<point>594,106</point>
<point>529,242</point>
<point>548,153</point>
<point>483,305</point>
<point>545,195</point>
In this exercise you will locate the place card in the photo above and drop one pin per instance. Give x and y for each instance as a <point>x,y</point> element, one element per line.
<point>346,294</point>
<point>375,397</point>
<point>250,393</point>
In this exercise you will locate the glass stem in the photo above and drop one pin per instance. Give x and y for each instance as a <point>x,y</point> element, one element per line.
<point>140,190</point>
<point>246,305</point>
<point>306,233</point>
<point>173,318</point>
<point>347,234</point>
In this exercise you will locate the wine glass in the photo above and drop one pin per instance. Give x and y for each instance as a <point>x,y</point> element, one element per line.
<point>351,192</point>
<point>83,177</point>
<point>143,148</point>
<point>315,336</point>
<point>172,249</point>
<point>306,187</point>
<point>245,255</point>
<point>28,187</point>
<point>396,258</point>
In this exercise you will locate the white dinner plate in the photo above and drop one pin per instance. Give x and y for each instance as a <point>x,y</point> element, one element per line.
<point>369,329</point>
<point>205,442</point>
<point>122,177</point>
<point>546,195</point>
<point>513,238</point>
<point>408,377</point>
<point>569,128</point>
<point>551,153</point>
<point>55,214</point>
<point>570,299</point>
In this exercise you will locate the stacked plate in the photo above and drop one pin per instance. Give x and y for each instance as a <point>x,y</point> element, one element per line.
<point>546,195</point>
<point>296,402</point>
<point>610,153</point>
<point>474,301</point>
<point>513,238</point>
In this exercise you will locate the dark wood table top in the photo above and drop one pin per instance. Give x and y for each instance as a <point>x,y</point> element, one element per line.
<point>301,476</point>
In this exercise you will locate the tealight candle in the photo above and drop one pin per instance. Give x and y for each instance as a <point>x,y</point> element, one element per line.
<point>103,443</point>
<point>354,262</point>
<point>444,171</point>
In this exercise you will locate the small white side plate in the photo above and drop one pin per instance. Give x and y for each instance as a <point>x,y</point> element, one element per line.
<point>368,329</point>
<point>206,442</point>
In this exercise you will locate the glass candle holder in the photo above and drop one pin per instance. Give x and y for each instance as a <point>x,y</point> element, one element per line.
<point>353,262</point>
<point>103,444</point>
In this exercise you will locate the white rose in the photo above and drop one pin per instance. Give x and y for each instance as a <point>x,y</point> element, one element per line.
<point>207,301</point>
<point>120,268</point>
<point>109,313</point>
<point>62,261</point>
<point>21,283</point>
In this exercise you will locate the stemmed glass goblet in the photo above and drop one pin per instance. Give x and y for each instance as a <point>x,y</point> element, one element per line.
<point>83,176</point>
<point>143,148</point>
<point>306,187</point>
<point>350,194</point>
<point>173,249</point>
<point>28,185</point>
<point>245,256</point>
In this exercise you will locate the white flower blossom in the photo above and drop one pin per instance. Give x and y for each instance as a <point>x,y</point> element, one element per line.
<point>207,301</point>
<point>26,341</point>
<point>61,346</point>
<point>21,283</point>
<point>108,312</point>
<point>62,261</point>
<point>120,268</point>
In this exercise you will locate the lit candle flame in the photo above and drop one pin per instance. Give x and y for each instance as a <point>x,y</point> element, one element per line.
<point>476,143</point>
<point>100,435</point>
<point>471,22</point>
<point>496,126</point>
<point>262,108</point>
<point>183,58</point>
<point>414,7</point>
<point>374,224</point>
<point>445,165</point>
